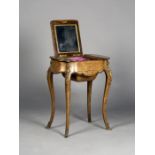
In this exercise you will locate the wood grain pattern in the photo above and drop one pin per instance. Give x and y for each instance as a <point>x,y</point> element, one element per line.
<point>108,74</point>
<point>78,71</point>
<point>51,89</point>
<point>68,97</point>
<point>89,92</point>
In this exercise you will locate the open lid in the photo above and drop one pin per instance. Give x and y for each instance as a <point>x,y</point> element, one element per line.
<point>66,37</point>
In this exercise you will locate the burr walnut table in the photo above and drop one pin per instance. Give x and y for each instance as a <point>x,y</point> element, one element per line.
<point>74,65</point>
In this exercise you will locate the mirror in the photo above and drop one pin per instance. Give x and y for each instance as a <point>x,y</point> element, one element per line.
<point>67,40</point>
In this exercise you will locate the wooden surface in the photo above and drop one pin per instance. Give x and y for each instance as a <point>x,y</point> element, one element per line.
<point>85,70</point>
<point>79,71</point>
<point>89,56</point>
<point>89,92</point>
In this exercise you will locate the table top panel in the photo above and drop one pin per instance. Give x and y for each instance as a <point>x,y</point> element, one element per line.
<point>81,58</point>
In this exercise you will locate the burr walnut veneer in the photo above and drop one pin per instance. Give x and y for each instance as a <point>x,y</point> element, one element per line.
<point>70,61</point>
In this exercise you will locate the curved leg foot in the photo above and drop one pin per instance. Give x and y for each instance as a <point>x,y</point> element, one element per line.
<point>66,133</point>
<point>108,74</point>
<point>51,89</point>
<point>89,92</point>
<point>68,96</point>
<point>49,124</point>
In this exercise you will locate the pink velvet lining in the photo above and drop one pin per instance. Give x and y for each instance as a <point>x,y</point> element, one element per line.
<point>77,58</point>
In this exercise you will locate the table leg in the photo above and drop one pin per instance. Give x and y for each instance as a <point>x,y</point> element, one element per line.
<point>108,74</point>
<point>68,96</point>
<point>51,89</point>
<point>89,93</point>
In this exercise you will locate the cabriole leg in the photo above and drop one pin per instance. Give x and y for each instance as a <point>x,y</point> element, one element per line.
<point>108,74</point>
<point>89,93</point>
<point>51,89</point>
<point>68,96</point>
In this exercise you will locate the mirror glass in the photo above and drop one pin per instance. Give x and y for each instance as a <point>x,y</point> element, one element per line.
<point>67,38</point>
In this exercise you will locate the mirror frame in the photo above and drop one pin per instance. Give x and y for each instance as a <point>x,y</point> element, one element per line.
<point>69,22</point>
